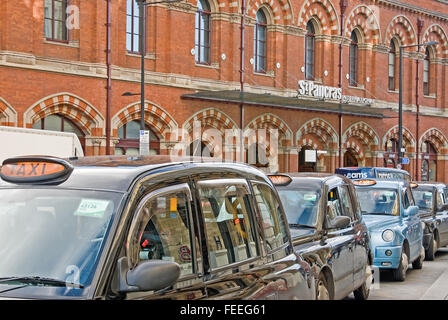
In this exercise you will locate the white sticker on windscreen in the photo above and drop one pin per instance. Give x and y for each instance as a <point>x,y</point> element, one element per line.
<point>92,208</point>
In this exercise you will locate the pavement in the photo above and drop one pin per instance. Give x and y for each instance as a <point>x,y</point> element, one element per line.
<point>429,283</point>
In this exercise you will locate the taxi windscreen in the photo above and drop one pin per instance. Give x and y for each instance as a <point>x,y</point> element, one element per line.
<point>378,201</point>
<point>55,234</point>
<point>423,199</point>
<point>301,206</point>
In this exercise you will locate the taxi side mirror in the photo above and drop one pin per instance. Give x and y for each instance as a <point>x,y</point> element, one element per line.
<point>147,275</point>
<point>410,211</point>
<point>338,222</point>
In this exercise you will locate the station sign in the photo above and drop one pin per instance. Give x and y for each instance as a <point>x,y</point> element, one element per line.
<point>312,90</point>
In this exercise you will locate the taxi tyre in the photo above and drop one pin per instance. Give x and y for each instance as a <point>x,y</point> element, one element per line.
<point>399,274</point>
<point>362,293</point>
<point>418,263</point>
<point>432,249</point>
<point>322,292</point>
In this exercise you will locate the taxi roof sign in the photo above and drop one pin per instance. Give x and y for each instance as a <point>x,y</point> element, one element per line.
<point>413,184</point>
<point>280,179</point>
<point>41,170</point>
<point>364,182</point>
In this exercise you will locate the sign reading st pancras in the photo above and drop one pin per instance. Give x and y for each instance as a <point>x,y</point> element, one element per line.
<point>310,89</point>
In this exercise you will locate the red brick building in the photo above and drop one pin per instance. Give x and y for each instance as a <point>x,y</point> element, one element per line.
<point>55,68</point>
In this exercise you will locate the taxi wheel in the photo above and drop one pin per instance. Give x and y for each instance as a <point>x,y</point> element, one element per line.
<point>399,274</point>
<point>418,264</point>
<point>362,293</point>
<point>322,289</point>
<point>431,252</point>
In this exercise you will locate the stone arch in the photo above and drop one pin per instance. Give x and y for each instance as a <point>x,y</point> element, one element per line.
<point>436,33</point>
<point>218,122</point>
<point>8,116</point>
<point>272,121</point>
<point>364,19</point>
<point>210,117</point>
<point>364,133</point>
<point>392,133</point>
<point>436,137</point>
<point>323,11</point>
<point>358,150</point>
<point>322,130</point>
<point>162,123</point>
<point>401,28</point>
<point>278,12</point>
<point>89,120</point>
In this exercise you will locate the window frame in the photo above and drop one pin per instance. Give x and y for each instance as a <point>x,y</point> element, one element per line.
<point>392,56</point>
<point>252,221</point>
<point>133,32</point>
<point>53,20</point>
<point>345,189</point>
<point>63,118</point>
<point>427,72</point>
<point>201,43</point>
<point>260,219</point>
<point>257,67</point>
<point>125,143</point>
<point>132,253</point>
<point>310,54</point>
<point>354,60</point>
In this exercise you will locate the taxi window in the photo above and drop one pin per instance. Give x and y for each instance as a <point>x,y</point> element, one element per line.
<point>347,203</point>
<point>164,232</point>
<point>46,232</point>
<point>423,199</point>
<point>378,201</point>
<point>227,218</point>
<point>274,226</point>
<point>334,204</point>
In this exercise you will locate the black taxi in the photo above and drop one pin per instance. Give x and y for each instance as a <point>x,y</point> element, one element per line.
<point>327,229</point>
<point>431,199</point>
<point>144,228</point>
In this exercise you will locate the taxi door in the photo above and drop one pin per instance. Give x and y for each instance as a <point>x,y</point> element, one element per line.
<point>167,230</point>
<point>342,242</point>
<point>415,230</point>
<point>442,216</point>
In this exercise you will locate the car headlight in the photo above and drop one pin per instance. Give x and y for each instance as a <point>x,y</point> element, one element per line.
<point>388,235</point>
<point>423,225</point>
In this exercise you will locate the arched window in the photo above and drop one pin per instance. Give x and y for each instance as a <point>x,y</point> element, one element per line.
<point>391,155</point>
<point>56,122</point>
<point>199,149</point>
<point>426,73</point>
<point>350,159</point>
<point>309,51</point>
<point>260,38</point>
<point>202,34</point>
<point>256,155</point>
<point>392,59</point>
<point>429,163</point>
<point>354,59</point>
<point>305,166</point>
<point>129,140</point>
<point>133,26</point>
<point>55,14</point>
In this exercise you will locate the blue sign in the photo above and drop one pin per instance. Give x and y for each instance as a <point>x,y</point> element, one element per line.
<point>405,161</point>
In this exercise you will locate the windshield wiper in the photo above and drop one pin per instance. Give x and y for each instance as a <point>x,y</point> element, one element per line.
<point>42,280</point>
<point>296,225</point>
<point>378,213</point>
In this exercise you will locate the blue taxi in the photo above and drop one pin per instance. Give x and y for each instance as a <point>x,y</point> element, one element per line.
<point>396,231</point>
<point>374,172</point>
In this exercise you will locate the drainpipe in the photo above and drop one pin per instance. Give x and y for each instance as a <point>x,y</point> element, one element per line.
<point>109,77</point>
<point>343,6</point>
<point>242,27</point>
<point>420,25</point>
